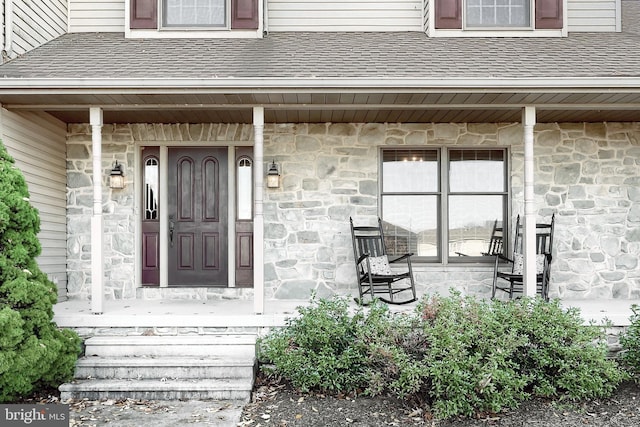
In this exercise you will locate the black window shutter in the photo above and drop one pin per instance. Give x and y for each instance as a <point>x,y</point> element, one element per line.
<point>144,14</point>
<point>244,14</point>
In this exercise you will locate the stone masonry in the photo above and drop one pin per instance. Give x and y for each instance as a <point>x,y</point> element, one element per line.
<point>588,174</point>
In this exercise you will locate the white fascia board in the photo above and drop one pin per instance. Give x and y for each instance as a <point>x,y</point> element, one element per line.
<point>241,85</point>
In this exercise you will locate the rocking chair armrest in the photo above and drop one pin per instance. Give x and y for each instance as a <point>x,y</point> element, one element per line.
<point>500,257</point>
<point>363,257</point>
<point>406,256</point>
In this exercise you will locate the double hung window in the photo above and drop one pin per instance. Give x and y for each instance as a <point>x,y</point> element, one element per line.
<point>441,204</point>
<point>497,13</point>
<point>194,13</point>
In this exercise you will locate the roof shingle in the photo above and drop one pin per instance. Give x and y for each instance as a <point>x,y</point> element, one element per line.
<point>365,55</point>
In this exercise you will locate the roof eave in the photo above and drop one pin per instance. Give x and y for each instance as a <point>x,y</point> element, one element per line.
<point>311,84</point>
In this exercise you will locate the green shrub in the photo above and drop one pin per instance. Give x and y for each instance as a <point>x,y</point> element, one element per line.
<point>395,348</point>
<point>630,342</point>
<point>461,354</point>
<point>317,349</point>
<point>563,357</point>
<point>471,366</point>
<point>33,351</point>
<point>488,356</point>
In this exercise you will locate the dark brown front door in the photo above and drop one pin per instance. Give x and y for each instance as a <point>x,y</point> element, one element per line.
<point>197,213</point>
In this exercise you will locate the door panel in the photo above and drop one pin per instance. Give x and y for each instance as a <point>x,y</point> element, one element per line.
<point>198,217</point>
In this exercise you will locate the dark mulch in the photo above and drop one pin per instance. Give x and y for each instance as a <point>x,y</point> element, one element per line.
<point>278,404</point>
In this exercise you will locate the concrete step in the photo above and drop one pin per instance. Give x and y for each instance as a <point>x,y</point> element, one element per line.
<point>220,367</point>
<point>202,345</point>
<point>165,367</point>
<point>156,389</point>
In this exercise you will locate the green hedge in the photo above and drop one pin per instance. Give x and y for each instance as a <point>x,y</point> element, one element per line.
<point>461,354</point>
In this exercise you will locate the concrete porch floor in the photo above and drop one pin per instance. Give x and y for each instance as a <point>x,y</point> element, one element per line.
<point>240,313</point>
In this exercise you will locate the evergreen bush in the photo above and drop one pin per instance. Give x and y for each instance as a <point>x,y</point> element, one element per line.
<point>34,353</point>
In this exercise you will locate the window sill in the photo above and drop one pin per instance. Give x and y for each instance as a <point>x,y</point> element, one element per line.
<point>496,33</point>
<point>194,34</point>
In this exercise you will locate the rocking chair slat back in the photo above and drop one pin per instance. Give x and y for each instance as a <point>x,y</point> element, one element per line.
<point>369,243</point>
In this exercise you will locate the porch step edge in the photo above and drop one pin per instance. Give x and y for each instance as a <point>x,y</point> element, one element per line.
<point>173,340</point>
<point>144,361</point>
<point>221,389</point>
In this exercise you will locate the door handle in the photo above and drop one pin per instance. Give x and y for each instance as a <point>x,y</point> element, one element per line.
<point>172,226</point>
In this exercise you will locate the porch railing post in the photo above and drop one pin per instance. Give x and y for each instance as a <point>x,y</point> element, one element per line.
<point>97,265</point>
<point>529,278</point>
<point>258,220</point>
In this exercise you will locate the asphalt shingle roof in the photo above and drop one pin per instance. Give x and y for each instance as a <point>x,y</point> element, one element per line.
<point>337,55</point>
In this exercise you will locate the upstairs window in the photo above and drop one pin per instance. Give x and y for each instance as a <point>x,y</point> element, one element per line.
<point>498,14</point>
<point>194,13</point>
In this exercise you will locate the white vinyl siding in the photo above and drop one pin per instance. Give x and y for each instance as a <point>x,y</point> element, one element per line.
<point>35,23</point>
<point>37,142</point>
<point>96,16</point>
<point>593,15</point>
<point>344,15</point>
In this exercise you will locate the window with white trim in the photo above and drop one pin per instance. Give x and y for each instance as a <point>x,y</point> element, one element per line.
<point>497,13</point>
<point>194,13</point>
<point>443,204</point>
<point>190,15</point>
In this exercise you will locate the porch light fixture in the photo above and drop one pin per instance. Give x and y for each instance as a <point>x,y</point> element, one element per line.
<point>273,177</point>
<point>116,178</point>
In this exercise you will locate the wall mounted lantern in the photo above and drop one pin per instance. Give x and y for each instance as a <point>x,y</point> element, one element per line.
<point>116,178</point>
<point>273,177</point>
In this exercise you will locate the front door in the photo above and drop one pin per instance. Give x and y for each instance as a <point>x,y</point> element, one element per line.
<point>197,214</point>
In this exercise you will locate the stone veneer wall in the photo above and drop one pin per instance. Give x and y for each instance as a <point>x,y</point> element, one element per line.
<point>119,142</point>
<point>588,174</point>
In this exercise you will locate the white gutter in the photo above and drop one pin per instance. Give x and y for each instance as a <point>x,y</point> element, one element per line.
<point>7,42</point>
<point>378,84</point>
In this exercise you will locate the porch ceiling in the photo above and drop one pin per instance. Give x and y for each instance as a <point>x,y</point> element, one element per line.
<point>313,106</point>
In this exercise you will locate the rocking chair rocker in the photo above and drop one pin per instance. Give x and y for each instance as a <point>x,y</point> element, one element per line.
<point>373,267</point>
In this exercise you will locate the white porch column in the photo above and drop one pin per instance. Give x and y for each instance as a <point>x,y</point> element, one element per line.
<point>97,267</point>
<point>258,219</point>
<point>529,282</point>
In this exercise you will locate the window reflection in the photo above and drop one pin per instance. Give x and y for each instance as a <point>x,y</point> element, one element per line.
<point>245,188</point>
<point>151,190</point>
<point>420,214</point>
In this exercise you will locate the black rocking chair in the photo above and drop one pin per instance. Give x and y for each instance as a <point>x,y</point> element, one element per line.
<point>496,242</point>
<point>373,267</point>
<point>511,280</point>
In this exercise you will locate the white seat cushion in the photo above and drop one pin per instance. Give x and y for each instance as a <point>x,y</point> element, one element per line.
<point>380,265</point>
<point>518,263</point>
